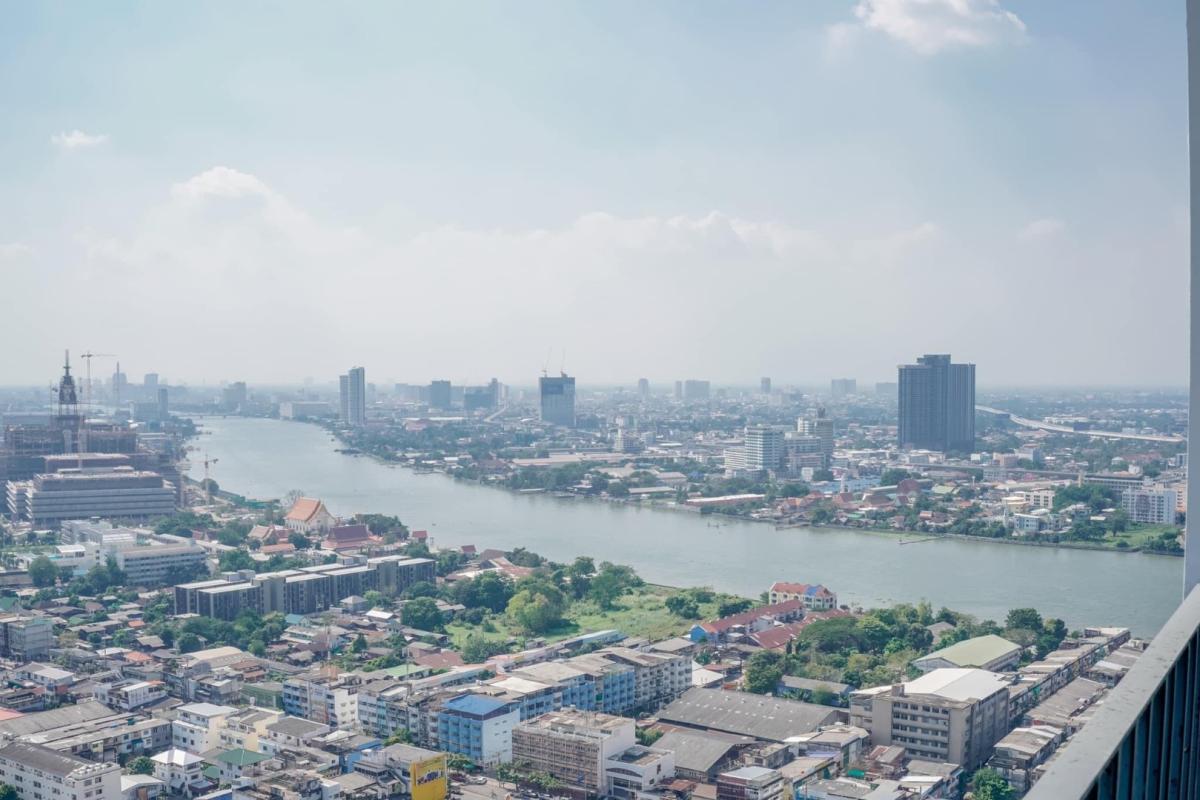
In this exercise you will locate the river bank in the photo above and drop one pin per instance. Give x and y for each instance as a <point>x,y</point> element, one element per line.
<point>262,458</point>
<point>662,505</point>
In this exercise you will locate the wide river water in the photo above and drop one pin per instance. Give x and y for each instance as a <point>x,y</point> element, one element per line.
<point>264,459</point>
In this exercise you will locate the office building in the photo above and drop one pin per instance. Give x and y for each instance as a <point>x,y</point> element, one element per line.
<point>937,405</point>
<point>843,387</point>
<point>820,427</point>
<point>356,397</point>
<point>697,391</point>
<point>557,400</point>
<point>39,773</point>
<point>764,448</point>
<point>479,398</point>
<point>112,493</point>
<point>678,390</point>
<point>234,397</point>
<point>344,398</point>
<point>764,386</point>
<point>644,388</point>
<point>947,715</point>
<point>440,395</point>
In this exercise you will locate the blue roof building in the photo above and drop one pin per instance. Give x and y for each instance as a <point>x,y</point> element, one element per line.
<point>478,727</point>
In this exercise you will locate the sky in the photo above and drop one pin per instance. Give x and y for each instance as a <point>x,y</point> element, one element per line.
<point>275,191</point>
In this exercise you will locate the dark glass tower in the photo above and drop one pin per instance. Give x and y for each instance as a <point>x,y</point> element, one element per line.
<point>937,404</point>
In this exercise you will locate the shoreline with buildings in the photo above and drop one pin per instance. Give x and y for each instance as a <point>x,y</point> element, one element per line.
<point>713,519</point>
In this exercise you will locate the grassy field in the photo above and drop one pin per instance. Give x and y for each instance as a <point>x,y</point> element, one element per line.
<point>1139,535</point>
<point>642,612</point>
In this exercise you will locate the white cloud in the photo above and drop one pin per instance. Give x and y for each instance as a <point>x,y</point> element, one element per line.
<point>276,293</point>
<point>77,140</point>
<point>1038,229</point>
<point>12,251</point>
<point>931,26</point>
<point>221,182</point>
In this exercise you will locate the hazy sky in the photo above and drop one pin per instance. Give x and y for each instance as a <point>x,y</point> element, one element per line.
<point>269,191</point>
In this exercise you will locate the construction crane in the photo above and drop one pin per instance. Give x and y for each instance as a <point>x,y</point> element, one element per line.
<point>87,396</point>
<point>207,483</point>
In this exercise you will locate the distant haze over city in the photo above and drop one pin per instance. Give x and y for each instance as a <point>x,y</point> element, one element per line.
<point>432,192</point>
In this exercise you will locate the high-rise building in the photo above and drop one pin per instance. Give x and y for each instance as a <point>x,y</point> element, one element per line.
<point>643,388</point>
<point>481,397</point>
<point>344,398</point>
<point>234,396</point>
<point>356,397</point>
<point>678,390</point>
<point>843,387</point>
<point>764,385</point>
<point>937,404</point>
<point>557,400</point>
<point>764,447</point>
<point>820,427</point>
<point>163,410</point>
<point>886,389</point>
<point>440,394</point>
<point>697,391</point>
<point>150,383</point>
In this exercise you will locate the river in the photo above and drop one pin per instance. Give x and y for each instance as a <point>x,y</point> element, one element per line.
<point>263,459</point>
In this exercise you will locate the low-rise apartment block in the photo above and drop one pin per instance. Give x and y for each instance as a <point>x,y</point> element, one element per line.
<point>39,773</point>
<point>953,715</point>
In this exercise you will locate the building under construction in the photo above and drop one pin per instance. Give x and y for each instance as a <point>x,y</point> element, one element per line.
<point>37,444</point>
<point>27,442</point>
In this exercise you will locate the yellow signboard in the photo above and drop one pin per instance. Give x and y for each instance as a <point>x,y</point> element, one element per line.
<point>429,779</point>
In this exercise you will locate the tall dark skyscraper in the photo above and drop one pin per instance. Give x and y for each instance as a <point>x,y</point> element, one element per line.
<point>557,400</point>
<point>440,394</point>
<point>937,404</point>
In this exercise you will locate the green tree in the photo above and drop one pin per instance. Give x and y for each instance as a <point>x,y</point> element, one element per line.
<point>460,763</point>
<point>683,605</point>
<point>479,649</point>
<point>234,560</point>
<point>763,671</point>
<point>422,613</point>
<point>1024,618</point>
<point>142,765</point>
<point>360,644</point>
<point>646,737</point>
<point>893,476</point>
<point>538,607</point>
<point>610,583</point>
<point>299,541</point>
<point>733,606</point>
<point>491,590</point>
<point>987,784</point>
<point>42,572</point>
<point>420,589</point>
<point>8,793</point>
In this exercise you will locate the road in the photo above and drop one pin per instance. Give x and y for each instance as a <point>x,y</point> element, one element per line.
<point>1046,426</point>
